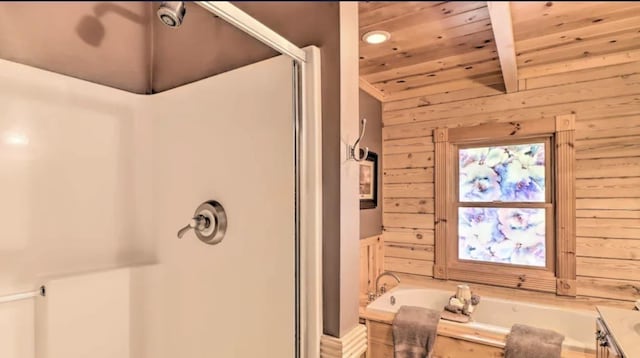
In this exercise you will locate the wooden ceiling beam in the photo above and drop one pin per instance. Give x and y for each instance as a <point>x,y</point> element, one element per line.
<point>370,89</point>
<point>500,15</point>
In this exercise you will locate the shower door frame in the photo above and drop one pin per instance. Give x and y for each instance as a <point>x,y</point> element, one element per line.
<point>307,122</point>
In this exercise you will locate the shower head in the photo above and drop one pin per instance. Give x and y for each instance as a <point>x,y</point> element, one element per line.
<point>171,13</point>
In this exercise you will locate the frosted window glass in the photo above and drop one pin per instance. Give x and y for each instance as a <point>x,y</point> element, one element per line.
<point>502,235</point>
<point>510,173</point>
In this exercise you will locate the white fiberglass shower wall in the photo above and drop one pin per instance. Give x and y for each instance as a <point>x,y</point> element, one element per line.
<point>72,192</point>
<point>228,138</point>
<point>96,179</point>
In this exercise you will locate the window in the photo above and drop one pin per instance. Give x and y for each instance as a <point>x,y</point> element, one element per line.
<point>505,212</point>
<point>503,207</point>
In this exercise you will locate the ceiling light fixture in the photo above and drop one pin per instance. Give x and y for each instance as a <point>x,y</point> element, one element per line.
<point>376,37</point>
<point>17,139</point>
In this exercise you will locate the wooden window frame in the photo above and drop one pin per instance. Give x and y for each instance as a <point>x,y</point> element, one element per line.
<point>547,205</point>
<point>559,275</point>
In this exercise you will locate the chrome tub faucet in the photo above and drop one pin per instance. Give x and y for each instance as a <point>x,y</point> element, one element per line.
<point>381,290</point>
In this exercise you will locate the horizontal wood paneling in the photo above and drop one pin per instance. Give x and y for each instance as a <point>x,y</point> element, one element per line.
<point>606,168</point>
<point>491,80</point>
<point>612,228</point>
<point>408,160</point>
<point>606,288</point>
<point>577,92</point>
<point>608,43</point>
<point>608,147</point>
<point>407,251</point>
<point>609,214</point>
<point>487,68</point>
<point>409,205</point>
<point>411,190</point>
<point>587,75</point>
<point>410,145</point>
<point>449,96</point>
<point>609,268</point>
<point>609,127</point>
<point>592,109</point>
<point>399,176</point>
<point>421,237</point>
<point>608,188</point>
<point>410,221</point>
<point>613,203</point>
<point>606,102</point>
<point>580,64</point>
<point>608,248</point>
<point>412,266</point>
<point>420,130</point>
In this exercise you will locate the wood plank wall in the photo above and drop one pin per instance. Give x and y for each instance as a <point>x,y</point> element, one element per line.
<point>371,265</point>
<point>606,101</point>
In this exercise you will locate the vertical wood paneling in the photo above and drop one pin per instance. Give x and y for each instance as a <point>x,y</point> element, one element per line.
<point>371,264</point>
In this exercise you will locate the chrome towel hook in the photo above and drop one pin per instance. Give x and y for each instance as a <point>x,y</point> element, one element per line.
<point>353,148</point>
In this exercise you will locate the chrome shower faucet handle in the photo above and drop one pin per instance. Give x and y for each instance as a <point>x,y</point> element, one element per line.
<point>198,223</point>
<point>209,223</point>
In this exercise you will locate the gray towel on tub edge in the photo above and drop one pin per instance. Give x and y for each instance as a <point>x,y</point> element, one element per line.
<point>414,332</point>
<point>530,342</point>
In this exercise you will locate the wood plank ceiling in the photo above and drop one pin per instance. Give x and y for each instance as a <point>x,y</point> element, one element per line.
<point>449,48</point>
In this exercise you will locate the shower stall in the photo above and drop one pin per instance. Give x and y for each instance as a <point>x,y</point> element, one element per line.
<point>95,184</point>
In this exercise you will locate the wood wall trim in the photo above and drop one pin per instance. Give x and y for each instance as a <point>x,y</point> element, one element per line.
<point>565,122</point>
<point>514,129</point>
<point>500,15</point>
<point>564,280</point>
<point>352,344</point>
<point>566,287</point>
<point>371,90</point>
<point>536,282</point>
<point>565,154</point>
<point>440,137</point>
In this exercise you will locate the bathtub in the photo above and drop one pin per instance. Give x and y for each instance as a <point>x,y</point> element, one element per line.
<point>494,317</point>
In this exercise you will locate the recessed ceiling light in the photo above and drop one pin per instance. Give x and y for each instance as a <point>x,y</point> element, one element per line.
<point>17,139</point>
<point>376,37</point>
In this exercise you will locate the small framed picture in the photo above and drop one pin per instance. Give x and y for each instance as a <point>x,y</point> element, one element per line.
<point>369,182</point>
